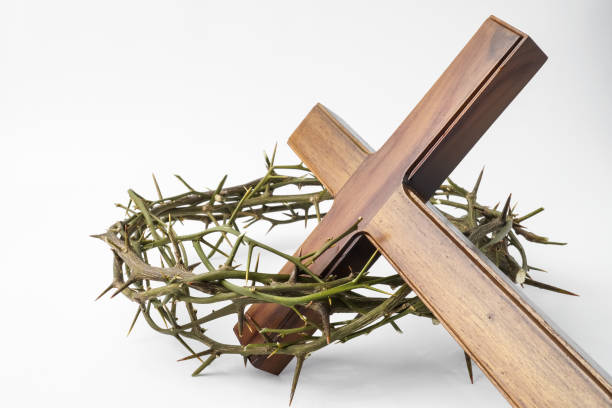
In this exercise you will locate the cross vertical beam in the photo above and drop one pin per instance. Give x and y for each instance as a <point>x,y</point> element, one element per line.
<point>525,358</point>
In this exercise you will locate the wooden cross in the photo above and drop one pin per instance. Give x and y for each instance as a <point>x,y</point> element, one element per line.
<point>528,360</point>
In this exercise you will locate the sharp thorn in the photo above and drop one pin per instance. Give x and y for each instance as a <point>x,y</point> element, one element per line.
<point>468,362</point>
<point>536,269</point>
<point>133,321</point>
<point>257,263</point>
<point>120,289</point>
<point>296,376</point>
<point>477,185</point>
<point>159,194</point>
<point>506,208</point>
<point>205,364</point>
<point>198,355</point>
<point>104,291</point>
<point>552,288</point>
<point>396,327</point>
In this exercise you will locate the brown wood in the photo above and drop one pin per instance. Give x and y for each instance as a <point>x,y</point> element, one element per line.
<point>523,355</point>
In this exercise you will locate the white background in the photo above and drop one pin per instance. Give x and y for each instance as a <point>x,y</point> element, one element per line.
<point>94,96</point>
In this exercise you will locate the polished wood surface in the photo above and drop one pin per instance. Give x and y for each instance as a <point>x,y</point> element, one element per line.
<point>525,358</point>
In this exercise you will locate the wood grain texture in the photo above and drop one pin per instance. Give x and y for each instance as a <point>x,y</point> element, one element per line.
<point>526,359</point>
<point>342,147</point>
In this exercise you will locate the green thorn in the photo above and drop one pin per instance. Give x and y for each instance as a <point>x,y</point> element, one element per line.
<point>296,376</point>
<point>468,362</point>
<point>134,321</point>
<point>205,364</point>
